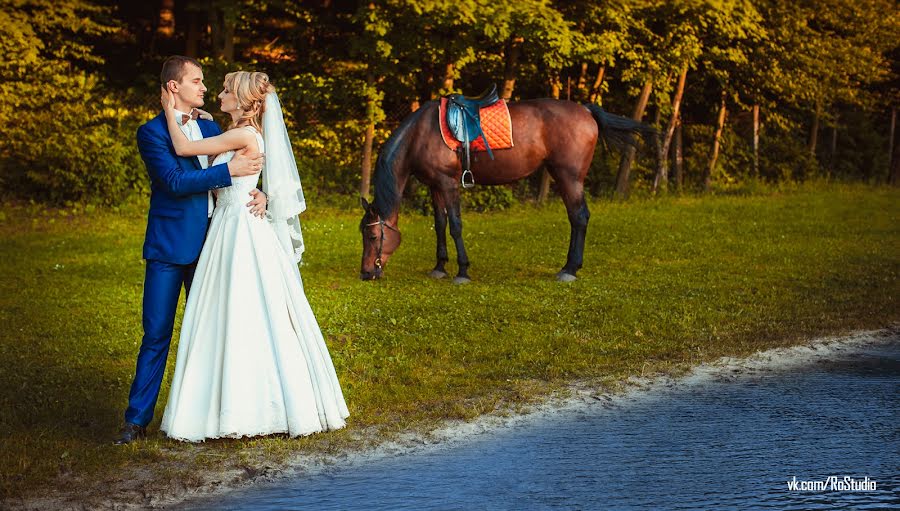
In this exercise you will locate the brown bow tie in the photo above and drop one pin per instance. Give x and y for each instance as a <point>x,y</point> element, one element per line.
<point>193,115</point>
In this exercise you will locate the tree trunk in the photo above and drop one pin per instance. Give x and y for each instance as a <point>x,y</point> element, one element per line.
<point>544,189</point>
<point>622,179</point>
<point>366,180</point>
<point>192,43</point>
<point>555,85</point>
<point>594,97</point>
<point>814,131</point>
<point>166,26</point>
<point>832,152</point>
<point>513,50</point>
<point>679,161</point>
<point>366,170</point>
<point>448,79</point>
<point>216,23</point>
<point>894,177</point>
<point>662,165</point>
<point>598,85</point>
<point>714,151</point>
<point>229,25</point>
<point>891,140</point>
<point>222,25</point>
<point>582,81</point>
<point>657,140</point>
<point>755,140</point>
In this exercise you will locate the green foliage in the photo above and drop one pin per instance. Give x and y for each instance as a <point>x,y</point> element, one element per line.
<point>66,138</point>
<point>342,65</point>
<point>825,52</point>
<point>782,158</point>
<point>479,198</point>
<point>77,151</point>
<point>488,198</point>
<point>319,115</point>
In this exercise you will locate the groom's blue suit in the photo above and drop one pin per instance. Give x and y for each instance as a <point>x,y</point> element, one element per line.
<point>176,228</point>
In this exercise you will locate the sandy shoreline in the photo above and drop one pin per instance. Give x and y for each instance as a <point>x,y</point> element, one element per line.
<point>580,395</point>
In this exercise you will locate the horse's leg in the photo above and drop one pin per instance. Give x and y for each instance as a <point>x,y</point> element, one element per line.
<point>453,212</point>
<point>439,204</point>
<point>572,192</point>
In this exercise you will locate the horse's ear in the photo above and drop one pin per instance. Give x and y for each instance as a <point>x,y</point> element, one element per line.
<point>364,203</point>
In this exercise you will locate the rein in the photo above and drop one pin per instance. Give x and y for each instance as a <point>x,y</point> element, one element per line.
<point>382,224</point>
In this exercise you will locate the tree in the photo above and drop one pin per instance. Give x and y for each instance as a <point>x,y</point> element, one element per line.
<point>65,137</point>
<point>538,27</point>
<point>680,46</point>
<point>534,27</point>
<point>826,53</point>
<point>375,50</point>
<point>731,31</point>
<point>638,49</point>
<point>223,20</point>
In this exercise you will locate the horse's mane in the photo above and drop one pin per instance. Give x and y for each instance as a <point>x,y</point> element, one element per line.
<point>387,196</point>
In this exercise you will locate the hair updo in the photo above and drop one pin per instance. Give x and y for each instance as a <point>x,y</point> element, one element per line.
<point>250,89</point>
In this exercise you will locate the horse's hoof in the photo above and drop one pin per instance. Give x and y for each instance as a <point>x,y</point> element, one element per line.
<point>565,277</point>
<point>461,280</point>
<point>437,274</point>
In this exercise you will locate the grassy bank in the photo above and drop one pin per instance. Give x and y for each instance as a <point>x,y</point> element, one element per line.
<point>665,282</point>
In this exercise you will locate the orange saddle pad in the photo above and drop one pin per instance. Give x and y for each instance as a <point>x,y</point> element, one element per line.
<point>495,123</point>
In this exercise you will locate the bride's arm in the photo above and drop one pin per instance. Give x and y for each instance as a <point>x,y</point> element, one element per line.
<point>231,140</point>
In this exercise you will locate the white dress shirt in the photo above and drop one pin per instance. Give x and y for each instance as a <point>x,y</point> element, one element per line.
<point>192,131</point>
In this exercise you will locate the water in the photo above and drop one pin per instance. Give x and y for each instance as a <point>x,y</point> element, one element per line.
<point>711,445</point>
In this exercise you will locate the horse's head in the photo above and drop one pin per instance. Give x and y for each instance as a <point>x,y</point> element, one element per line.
<point>380,240</point>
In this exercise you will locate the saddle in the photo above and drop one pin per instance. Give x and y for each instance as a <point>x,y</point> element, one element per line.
<point>464,122</point>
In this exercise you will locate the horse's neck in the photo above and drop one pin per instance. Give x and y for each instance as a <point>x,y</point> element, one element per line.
<point>401,178</point>
<point>393,218</point>
<point>390,185</point>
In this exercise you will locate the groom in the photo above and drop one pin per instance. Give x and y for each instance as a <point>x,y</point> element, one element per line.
<point>180,207</point>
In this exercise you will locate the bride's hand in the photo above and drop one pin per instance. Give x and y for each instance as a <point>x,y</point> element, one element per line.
<point>167,99</point>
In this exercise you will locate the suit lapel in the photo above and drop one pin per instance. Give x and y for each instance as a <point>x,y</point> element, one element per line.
<point>165,130</point>
<point>207,129</point>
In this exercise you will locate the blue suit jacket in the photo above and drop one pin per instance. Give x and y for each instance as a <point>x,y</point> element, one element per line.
<point>177,220</point>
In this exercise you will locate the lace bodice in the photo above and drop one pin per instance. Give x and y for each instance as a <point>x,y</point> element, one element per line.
<point>240,187</point>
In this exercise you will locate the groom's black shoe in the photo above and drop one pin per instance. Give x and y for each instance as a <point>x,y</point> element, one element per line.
<point>130,433</point>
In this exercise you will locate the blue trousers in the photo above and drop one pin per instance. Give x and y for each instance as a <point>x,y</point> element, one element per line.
<point>162,286</point>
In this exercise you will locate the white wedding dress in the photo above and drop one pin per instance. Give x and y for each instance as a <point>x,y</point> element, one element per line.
<point>251,358</point>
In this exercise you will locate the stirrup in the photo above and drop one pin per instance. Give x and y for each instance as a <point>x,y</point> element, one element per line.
<point>471,182</point>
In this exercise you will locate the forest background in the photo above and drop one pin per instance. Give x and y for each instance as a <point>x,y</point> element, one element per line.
<point>742,92</point>
<point>776,123</point>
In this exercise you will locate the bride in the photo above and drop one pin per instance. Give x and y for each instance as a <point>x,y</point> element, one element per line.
<point>251,358</point>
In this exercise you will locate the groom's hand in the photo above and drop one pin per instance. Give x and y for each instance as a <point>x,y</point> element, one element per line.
<point>198,113</point>
<point>258,204</point>
<point>244,164</point>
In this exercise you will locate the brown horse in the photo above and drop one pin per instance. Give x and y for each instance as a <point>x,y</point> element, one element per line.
<point>560,135</point>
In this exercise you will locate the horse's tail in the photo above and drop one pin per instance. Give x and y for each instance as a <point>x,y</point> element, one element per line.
<point>618,131</point>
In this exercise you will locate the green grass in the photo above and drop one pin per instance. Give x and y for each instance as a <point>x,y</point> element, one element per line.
<point>666,282</point>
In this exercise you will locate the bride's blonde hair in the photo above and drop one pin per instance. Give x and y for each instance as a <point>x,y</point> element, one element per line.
<point>250,89</point>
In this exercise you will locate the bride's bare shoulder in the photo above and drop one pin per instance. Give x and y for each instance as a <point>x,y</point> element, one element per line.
<point>247,136</point>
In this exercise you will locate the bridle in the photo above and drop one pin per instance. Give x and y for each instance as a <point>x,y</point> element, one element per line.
<point>381,224</point>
